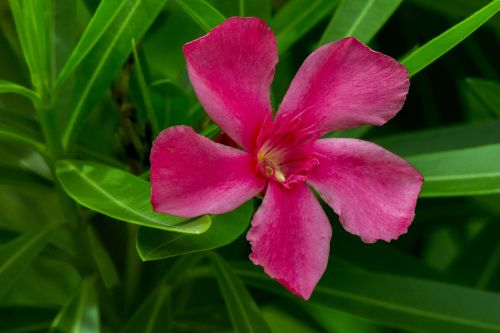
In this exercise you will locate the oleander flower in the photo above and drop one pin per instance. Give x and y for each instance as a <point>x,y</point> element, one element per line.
<point>340,85</point>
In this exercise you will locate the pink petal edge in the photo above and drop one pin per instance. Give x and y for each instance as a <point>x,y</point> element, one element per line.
<point>345,84</point>
<point>192,176</point>
<point>290,237</point>
<point>372,190</point>
<point>231,70</point>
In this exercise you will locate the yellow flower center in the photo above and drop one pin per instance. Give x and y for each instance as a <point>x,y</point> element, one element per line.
<point>269,163</point>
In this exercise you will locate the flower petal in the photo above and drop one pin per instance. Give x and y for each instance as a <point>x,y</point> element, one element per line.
<point>290,237</point>
<point>372,190</point>
<point>345,84</point>
<point>192,176</point>
<point>231,69</point>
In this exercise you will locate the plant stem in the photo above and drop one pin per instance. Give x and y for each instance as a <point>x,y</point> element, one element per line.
<point>132,269</point>
<point>55,152</point>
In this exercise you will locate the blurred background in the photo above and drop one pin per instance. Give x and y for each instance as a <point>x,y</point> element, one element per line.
<point>86,85</point>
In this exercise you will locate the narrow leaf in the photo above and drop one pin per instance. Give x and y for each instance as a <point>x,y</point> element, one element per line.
<point>487,92</point>
<point>471,171</point>
<point>18,176</point>
<point>105,14</point>
<point>259,8</point>
<point>11,87</point>
<point>304,16</point>
<point>32,19</point>
<point>206,16</point>
<point>225,228</point>
<point>48,282</point>
<point>428,53</point>
<point>120,195</point>
<point>17,255</point>
<point>23,33</point>
<point>382,257</point>
<point>17,135</point>
<point>81,314</point>
<point>442,138</point>
<point>456,9</point>
<point>103,261</point>
<point>332,320</point>
<point>103,62</point>
<point>150,316</point>
<point>359,18</point>
<point>355,132</point>
<point>407,303</point>
<point>479,260</point>
<point>281,321</point>
<point>241,7</point>
<point>248,8</point>
<point>210,131</point>
<point>168,97</point>
<point>143,87</point>
<point>244,313</point>
<point>25,319</point>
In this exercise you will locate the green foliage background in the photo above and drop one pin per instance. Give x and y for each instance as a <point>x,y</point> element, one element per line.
<point>85,86</point>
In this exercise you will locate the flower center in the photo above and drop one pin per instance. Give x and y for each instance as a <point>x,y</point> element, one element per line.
<point>284,152</point>
<point>271,165</point>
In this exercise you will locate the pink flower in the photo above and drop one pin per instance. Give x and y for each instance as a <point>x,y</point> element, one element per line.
<point>340,85</point>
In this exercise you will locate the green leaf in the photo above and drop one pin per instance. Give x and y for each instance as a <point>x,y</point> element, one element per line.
<point>210,131</point>
<point>471,171</point>
<point>479,259</point>
<point>162,45</point>
<point>428,53</point>
<point>206,16</point>
<point>282,322</point>
<point>17,255</point>
<point>150,316</point>
<point>355,132</point>
<point>33,20</point>
<point>297,18</point>
<point>256,8</point>
<point>241,7</point>
<point>24,319</point>
<point>286,13</point>
<point>105,14</point>
<point>442,138</point>
<point>48,282</point>
<point>486,91</point>
<point>17,135</point>
<point>456,9</point>
<point>143,88</point>
<point>359,18</point>
<point>406,303</point>
<point>15,216</point>
<point>103,261</point>
<point>10,175</point>
<point>338,321</point>
<point>153,245</point>
<point>65,32</point>
<point>153,314</point>
<point>244,313</point>
<point>119,194</point>
<point>16,119</point>
<point>103,62</point>
<point>81,314</point>
<point>11,87</point>
<point>381,257</point>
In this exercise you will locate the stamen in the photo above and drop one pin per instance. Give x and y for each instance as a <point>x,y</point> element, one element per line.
<point>269,171</point>
<point>279,176</point>
<point>284,148</point>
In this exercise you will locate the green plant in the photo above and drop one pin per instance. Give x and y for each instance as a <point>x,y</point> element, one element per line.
<point>85,87</point>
